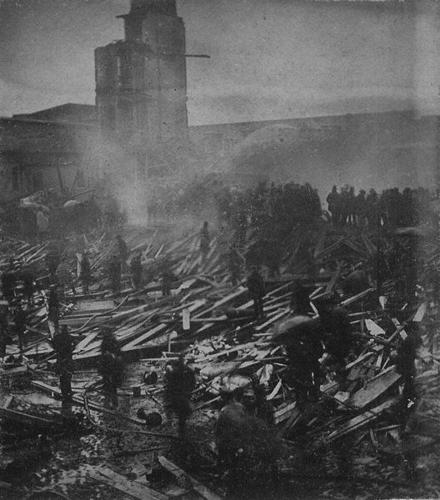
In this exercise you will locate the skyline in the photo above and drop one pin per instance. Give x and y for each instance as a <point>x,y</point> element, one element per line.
<point>270,59</point>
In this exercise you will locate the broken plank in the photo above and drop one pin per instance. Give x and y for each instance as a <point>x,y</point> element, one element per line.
<point>181,474</point>
<point>121,483</point>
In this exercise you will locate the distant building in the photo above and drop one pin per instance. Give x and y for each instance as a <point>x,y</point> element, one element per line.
<point>52,148</point>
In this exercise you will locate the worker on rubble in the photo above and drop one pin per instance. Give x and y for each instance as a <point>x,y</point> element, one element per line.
<point>300,300</point>
<point>167,278</point>
<point>9,280</point>
<point>204,241</point>
<point>234,264</point>
<point>255,402</point>
<point>28,279</point>
<point>20,325</point>
<point>136,270</point>
<point>336,335</point>
<point>247,450</point>
<point>63,347</point>
<point>53,258</point>
<point>179,383</point>
<point>53,306</point>
<point>304,350</point>
<point>229,428</point>
<point>110,367</point>
<point>114,270</point>
<point>122,250</point>
<point>256,287</point>
<point>85,273</point>
<point>405,364</point>
<point>356,282</point>
<point>65,278</point>
<point>4,330</point>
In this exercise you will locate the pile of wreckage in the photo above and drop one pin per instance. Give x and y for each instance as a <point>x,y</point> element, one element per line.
<point>213,323</point>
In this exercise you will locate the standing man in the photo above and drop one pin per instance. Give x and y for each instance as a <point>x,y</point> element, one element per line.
<point>304,349</point>
<point>204,241</point>
<point>27,278</point>
<point>85,273</point>
<point>4,333</point>
<point>53,306</point>
<point>20,325</point>
<point>115,269</point>
<point>405,363</point>
<point>9,280</point>
<point>167,278</point>
<point>300,300</point>
<point>65,278</point>
<point>110,367</point>
<point>234,264</point>
<point>122,250</point>
<point>63,347</point>
<point>338,340</point>
<point>179,384</point>
<point>136,270</point>
<point>255,285</point>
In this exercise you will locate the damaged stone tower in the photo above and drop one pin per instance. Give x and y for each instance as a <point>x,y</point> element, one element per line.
<point>141,81</point>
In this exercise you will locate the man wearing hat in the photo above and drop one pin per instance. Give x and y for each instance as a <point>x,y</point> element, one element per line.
<point>338,340</point>
<point>255,285</point>
<point>179,384</point>
<point>63,346</point>
<point>302,337</point>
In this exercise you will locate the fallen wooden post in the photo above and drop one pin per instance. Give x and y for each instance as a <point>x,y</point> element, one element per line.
<point>181,475</point>
<point>133,488</point>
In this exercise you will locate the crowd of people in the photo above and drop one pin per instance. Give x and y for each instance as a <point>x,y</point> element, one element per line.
<point>391,208</point>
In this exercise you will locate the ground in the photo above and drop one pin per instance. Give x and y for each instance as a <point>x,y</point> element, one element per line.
<point>348,470</point>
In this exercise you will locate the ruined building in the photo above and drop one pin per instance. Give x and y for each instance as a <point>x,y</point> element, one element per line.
<point>141,83</point>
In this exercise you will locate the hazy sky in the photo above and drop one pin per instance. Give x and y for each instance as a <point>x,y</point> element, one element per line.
<point>269,58</point>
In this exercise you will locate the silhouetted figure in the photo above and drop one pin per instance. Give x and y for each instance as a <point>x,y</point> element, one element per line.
<point>20,325</point>
<point>255,402</point>
<point>136,270</point>
<point>63,346</point>
<point>248,450</point>
<point>299,300</point>
<point>122,250</point>
<point>204,241</point>
<point>4,330</point>
<point>167,278</point>
<point>9,281</point>
<point>361,210</point>
<point>53,259</point>
<point>65,278</point>
<point>333,205</point>
<point>337,335</point>
<point>53,306</point>
<point>256,287</point>
<point>356,282</point>
<point>304,349</point>
<point>234,265</point>
<point>179,384</point>
<point>114,270</point>
<point>405,363</point>
<point>85,274</point>
<point>229,431</point>
<point>110,367</point>
<point>27,277</point>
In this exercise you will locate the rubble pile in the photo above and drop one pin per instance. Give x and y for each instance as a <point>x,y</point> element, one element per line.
<point>213,323</point>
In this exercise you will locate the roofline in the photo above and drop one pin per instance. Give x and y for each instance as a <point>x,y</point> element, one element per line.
<point>315,117</point>
<point>48,122</point>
